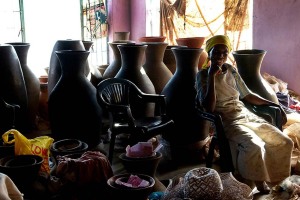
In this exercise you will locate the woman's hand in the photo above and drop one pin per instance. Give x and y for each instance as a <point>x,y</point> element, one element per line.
<point>214,69</point>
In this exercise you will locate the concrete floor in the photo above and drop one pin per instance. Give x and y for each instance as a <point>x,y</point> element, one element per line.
<point>166,171</point>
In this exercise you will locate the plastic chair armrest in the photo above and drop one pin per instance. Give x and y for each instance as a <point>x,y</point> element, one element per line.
<point>270,113</point>
<point>159,100</point>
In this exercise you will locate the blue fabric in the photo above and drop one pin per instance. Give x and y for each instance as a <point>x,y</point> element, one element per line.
<point>156,195</point>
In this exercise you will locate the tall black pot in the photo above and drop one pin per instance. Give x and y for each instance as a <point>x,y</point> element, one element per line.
<point>249,65</point>
<point>154,66</point>
<point>74,112</point>
<point>54,72</point>
<point>12,91</point>
<point>32,84</point>
<point>180,93</point>
<point>115,65</point>
<point>132,56</point>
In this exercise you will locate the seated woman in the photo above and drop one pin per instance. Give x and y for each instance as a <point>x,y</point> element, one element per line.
<point>261,153</point>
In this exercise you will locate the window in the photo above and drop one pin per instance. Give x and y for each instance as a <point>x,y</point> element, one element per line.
<point>94,20</point>
<point>46,22</point>
<point>10,23</point>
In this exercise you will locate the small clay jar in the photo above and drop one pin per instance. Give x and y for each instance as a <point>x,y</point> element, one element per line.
<point>121,35</point>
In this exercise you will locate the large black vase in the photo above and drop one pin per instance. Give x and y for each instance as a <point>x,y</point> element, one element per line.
<point>12,90</point>
<point>249,62</point>
<point>132,56</point>
<point>154,66</point>
<point>180,93</point>
<point>54,72</point>
<point>32,84</point>
<point>113,68</point>
<point>74,112</point>
<point>169,58</point>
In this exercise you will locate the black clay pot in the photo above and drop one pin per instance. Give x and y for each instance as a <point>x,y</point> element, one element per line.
<point>23,170</point>
<point>169,58</point>
<point>154,66</point>
<point>146,166</point>
<point>74,112</point>
<point>12,91</point>
<point>249,63</point>
<point>132,56</point>
<point>180,94</point>
<point>32,84</point>
<point>118,191</point>
<point>68,146</point>
<point>54,71</point>
<point>113,68</point>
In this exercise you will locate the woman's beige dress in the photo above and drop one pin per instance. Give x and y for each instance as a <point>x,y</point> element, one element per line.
<point>260,151</point>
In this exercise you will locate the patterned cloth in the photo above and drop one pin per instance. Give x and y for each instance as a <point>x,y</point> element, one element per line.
<point>207,184</point>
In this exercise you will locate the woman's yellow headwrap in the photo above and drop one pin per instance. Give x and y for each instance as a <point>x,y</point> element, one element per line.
<point>210,43</point>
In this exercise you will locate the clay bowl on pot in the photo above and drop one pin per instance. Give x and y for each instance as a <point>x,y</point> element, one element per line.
<point>118,191</point>
<point>191,42</point>
<point>43,79</point>
<point>22,169</point>
<point>68,146</point>
<point>152,39</point>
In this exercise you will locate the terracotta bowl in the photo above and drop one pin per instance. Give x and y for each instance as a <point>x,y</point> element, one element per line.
<point>118,191</point>
<point>191,42</point>
<point>43,79</point>
<point>22,169</point>
<point>123,35</point>
<point>153,39</point>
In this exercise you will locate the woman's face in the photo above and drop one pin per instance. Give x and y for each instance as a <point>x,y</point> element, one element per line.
<point>218,54</point>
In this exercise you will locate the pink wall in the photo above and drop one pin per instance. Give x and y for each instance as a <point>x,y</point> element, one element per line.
<point>138,16</point>
<point>276,28</point>
<point>126,15</point>
<point>118,16</point>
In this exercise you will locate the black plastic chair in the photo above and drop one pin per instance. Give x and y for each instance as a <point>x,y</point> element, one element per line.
<point>270,113</point>
<point>119,97</point>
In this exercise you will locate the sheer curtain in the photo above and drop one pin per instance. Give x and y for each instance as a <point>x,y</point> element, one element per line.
<point>191,18</point>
